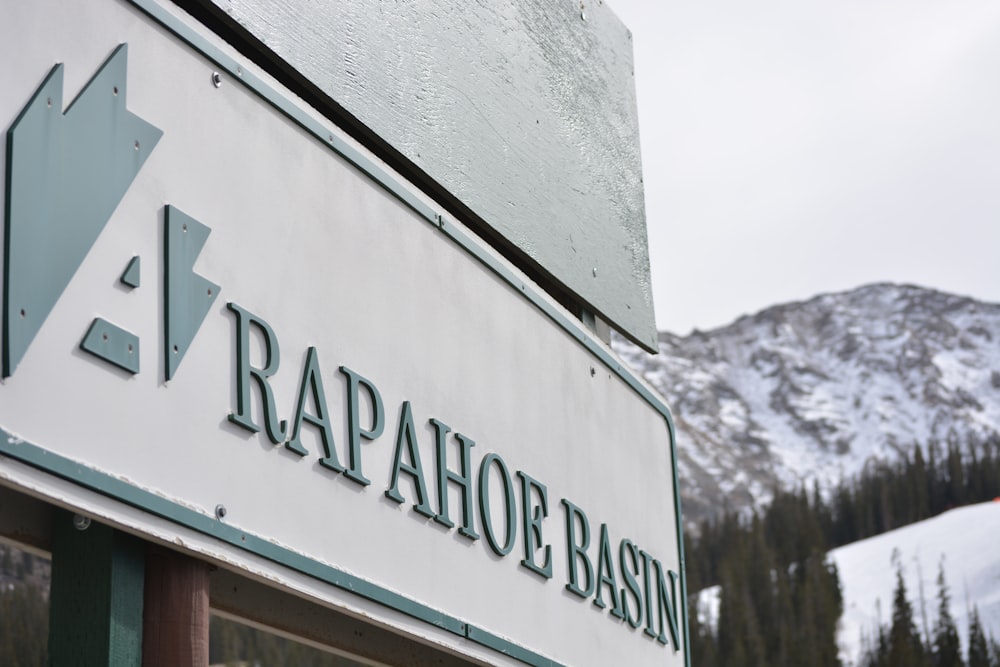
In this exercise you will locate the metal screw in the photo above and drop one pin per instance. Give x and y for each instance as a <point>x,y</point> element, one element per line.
<point>595,272</point>
<point>583,15</point>
<point>81,522</point>
<point>220,512</point>
<point>593,371</point>
<point>216,79</point>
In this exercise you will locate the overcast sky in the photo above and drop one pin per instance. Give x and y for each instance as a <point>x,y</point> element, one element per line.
<point>791,148</point>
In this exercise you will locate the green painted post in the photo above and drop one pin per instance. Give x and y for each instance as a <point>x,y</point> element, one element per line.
<point>95,614</point>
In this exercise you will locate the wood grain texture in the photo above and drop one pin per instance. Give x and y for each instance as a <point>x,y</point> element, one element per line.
<point>95,615</point>
<point>525,111</point>
<point>176,607</point>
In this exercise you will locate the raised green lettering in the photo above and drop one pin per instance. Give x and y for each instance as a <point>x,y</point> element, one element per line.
<point>354,430</point>
<point>244,372</point>
<point>606,575</point>
<point>484,504</point>
<point>406,437</point>
<point>463,479</point>
<point>577,551</point>
<point>312,385</point>
<point>531,516</point>
<point>667,606</point>
<point>647,592</point>
<point>628,551</point>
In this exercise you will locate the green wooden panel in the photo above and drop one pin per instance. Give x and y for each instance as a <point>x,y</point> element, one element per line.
<point>95,615</point>
<point>520,116</point>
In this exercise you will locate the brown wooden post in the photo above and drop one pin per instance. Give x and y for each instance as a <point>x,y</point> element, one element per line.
<point>175,610</point>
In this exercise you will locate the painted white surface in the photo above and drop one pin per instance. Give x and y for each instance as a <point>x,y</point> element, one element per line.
<point>330,260</point>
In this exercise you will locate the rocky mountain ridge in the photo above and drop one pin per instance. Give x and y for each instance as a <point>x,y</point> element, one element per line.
<point>816,390</point>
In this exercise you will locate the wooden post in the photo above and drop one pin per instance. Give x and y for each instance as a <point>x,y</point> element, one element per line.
<point>175,618</point>
<point>95,604</point>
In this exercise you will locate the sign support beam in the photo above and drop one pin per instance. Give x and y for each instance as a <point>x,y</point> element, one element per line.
<point>95,615</point>
<point>175,621</point>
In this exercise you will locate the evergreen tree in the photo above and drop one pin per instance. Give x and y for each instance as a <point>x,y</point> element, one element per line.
<point>918,480</point>
<point>905,647</point>
<point>947,648</point>
<point>818,605</point>
<point>979,650</point>
<point>778,613</point>
<point>875,653</point>
<point>878,656</point>
<point>740,643</point>
<point>956,473</point>
<point>7,563</point>
<point>702,640</point>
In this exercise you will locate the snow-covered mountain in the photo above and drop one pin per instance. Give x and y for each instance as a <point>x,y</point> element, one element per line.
<point>813,390</point>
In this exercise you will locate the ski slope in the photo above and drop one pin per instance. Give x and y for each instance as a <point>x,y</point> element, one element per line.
<point>966,540</point>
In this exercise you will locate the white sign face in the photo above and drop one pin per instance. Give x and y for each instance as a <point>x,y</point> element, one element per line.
<point>219,312</point>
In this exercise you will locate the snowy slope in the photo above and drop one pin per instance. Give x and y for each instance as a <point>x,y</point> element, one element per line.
<point>814,390</point>
<point>968,541</point>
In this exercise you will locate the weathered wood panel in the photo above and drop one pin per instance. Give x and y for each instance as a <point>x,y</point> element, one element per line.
<point>525,111</point>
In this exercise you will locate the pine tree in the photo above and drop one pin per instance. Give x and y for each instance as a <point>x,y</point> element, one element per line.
<point>702,640</point>
<point>878,654</point>
<point>947,648</point>
<point>956,473</point>
<point>979,651</point>
<point>905,647</point>
<point>7,563</point>
<point>994,653</point>
<point>920,487</point>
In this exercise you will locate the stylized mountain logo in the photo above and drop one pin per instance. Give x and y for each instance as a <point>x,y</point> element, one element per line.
<point>66,174</point>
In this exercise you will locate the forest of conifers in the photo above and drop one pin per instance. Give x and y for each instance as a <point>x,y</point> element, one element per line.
<point>780,594</point>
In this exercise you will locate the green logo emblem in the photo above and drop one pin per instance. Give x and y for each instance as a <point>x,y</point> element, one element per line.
<point>66,174</point>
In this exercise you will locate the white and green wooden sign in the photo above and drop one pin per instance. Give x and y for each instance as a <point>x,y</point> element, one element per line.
<point>230,328</point>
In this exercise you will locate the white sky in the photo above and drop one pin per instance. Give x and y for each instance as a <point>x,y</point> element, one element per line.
<point>792,147</point>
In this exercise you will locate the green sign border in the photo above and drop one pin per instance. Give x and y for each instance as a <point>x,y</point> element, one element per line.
<point>110,486</point>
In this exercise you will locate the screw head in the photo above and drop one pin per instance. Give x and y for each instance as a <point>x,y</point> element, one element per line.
<point>594,271</point>
<point>81,522</point>
<point>216,79</point>
<point>220,512</point>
